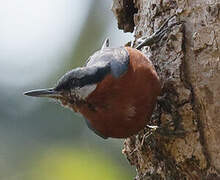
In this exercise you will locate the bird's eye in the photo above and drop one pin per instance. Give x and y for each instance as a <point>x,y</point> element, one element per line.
<point>63,84</point>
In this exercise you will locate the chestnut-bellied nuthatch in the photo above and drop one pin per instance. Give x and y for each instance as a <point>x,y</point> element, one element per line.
<point>115,91</point>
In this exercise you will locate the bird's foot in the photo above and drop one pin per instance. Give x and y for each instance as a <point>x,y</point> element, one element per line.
<point>165,130</point>
<point>170,129</point>
<point>159,34</point>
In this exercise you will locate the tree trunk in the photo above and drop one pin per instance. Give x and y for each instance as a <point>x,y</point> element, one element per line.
<point>188,63</point>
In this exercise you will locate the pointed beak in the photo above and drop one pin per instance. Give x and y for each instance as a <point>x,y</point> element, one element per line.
<point>51,93</point>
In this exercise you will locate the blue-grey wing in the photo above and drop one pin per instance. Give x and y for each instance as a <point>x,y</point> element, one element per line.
<point>116,58</point>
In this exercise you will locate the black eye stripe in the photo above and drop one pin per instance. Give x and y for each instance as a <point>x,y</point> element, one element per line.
<point>70,80</point>
<point>93,78</point>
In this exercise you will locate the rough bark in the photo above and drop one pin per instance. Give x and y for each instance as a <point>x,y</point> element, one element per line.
<point>188,63</point>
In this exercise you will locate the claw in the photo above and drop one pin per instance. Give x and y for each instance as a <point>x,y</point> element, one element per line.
<point>158,35</point>
<point>165,23</point>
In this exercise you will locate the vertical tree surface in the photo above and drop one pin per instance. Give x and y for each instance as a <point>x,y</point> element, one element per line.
<point>188,63</point>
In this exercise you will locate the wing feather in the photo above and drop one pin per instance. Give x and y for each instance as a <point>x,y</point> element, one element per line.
<point>117,58</point>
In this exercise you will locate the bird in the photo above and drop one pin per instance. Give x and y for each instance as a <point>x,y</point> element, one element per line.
<point>116,90</point>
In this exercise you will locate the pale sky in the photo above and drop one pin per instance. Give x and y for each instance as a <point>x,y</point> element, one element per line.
<point>35,34</point>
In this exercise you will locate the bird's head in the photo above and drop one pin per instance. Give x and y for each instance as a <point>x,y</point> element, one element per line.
<point>76,85</point>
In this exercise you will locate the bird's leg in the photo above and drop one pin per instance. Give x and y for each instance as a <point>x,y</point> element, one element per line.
<point>158,35</point>
<point>149,133</point>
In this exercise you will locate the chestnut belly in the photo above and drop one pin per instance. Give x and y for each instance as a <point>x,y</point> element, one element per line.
<point>120,122</point>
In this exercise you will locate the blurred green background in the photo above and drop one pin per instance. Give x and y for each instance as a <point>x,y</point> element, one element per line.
<point>39,140</point>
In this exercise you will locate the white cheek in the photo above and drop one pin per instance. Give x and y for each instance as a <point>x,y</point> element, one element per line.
<point>84,91</point>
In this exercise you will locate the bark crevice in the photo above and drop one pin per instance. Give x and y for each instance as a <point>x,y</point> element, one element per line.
<point>124,11</point>
<point>188,63</point>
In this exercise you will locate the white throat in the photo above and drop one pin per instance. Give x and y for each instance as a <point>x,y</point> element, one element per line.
<point>84,92</point>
